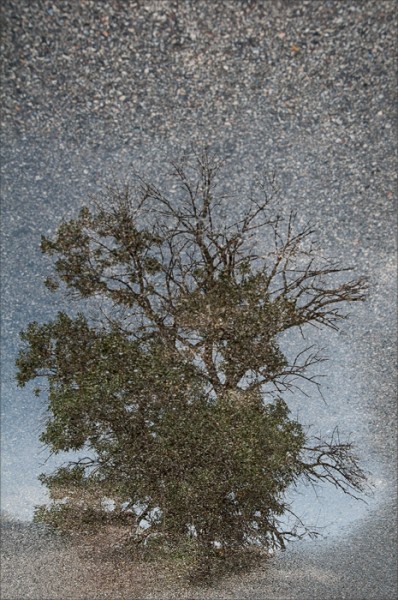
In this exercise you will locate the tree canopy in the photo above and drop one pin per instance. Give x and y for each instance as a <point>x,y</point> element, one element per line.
<point>173,378</point>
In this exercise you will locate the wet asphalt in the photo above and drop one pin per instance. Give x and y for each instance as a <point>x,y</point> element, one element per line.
<point>306,89</point>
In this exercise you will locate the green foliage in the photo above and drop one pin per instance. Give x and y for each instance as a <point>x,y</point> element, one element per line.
<point>166,391</point>
<point>222,468</point>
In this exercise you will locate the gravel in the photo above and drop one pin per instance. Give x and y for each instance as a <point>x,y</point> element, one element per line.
<point>307,89</point>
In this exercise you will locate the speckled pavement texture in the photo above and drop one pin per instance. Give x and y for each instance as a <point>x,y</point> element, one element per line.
<point>303,88</point>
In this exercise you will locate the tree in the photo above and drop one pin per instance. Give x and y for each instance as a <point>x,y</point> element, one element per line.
<point>172,380</point>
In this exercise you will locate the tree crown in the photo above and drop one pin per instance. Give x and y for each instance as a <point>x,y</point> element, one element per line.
<point>166,389</point>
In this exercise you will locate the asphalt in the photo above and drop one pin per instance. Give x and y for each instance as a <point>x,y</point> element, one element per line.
<point>306,89</point>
